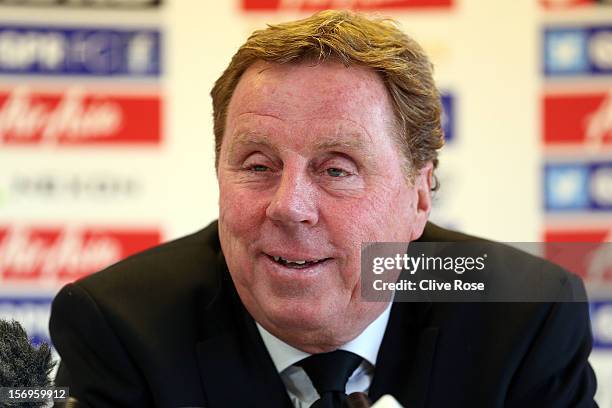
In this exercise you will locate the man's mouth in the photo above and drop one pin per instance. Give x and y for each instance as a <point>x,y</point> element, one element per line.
<point>297,263</point>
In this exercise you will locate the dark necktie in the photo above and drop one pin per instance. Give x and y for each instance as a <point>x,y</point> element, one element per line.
<point>329,373</point>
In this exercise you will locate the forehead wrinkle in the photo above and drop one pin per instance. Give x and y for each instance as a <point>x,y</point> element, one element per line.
<point>355,139</point>
<point>266,115</point>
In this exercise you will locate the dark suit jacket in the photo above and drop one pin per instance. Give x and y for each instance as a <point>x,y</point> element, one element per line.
<point>165,328</point>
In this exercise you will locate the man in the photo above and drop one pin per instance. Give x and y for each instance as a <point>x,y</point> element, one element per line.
<point>327,131</point>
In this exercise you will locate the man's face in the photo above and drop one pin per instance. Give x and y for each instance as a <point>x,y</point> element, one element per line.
<point>308,170</point>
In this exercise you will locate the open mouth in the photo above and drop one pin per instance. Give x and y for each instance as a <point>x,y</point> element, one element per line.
<point>297,263</point>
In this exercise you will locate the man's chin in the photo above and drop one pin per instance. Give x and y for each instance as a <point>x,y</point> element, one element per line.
<point>301,316</point>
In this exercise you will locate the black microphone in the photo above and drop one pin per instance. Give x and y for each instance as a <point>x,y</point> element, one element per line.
<point>22,364</point>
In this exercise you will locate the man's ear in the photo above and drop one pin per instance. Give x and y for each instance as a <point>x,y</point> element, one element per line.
<point>422,185</point>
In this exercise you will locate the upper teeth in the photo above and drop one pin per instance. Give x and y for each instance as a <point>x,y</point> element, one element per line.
<point>300,262</point>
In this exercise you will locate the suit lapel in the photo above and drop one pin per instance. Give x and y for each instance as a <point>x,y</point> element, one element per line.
<point>235,367</point>
<point>406,357</point>
<point>233,377</point>
<point>404,362</point>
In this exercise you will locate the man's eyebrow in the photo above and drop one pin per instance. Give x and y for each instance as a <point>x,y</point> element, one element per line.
<point>325,143</point>
<point>251,139</point>
<point>351,143</point>
<point>333,143</point>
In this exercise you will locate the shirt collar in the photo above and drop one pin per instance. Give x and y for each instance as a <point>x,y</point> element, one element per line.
<point>365,345</point>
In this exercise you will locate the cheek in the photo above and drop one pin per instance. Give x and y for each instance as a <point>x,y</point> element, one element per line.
<point>401,210</point>
<point>382,215</point>
<point>240,218</point>
<point>240,210</point>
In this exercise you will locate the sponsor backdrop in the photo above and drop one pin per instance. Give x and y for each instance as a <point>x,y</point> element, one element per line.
<point>106,143</point>
<point>576,163</point>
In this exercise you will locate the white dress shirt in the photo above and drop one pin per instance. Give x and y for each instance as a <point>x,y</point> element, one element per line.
<point>299,387</point>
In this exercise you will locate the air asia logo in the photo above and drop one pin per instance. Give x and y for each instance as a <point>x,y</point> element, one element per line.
<point>569,3</point>
<point>572,3</point>
<point>75,117</point>
<point>316,5</point>
<point>578,51</point>
<point>587,253</point>
<point>601,322</point>
<point>32,313</point>
<point>584,118</point>
<point>57,255</point>
<point>52,50</point>
<point>87,3</point>
<point>578,186</point>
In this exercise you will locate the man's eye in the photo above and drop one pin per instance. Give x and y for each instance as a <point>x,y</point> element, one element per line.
<point>259,168</point>
<point>336,172</point>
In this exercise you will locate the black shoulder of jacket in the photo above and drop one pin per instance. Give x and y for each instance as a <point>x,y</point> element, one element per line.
<point>190,266</point>
<point>512,274</point>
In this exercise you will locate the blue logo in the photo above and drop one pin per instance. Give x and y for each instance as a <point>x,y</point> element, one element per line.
<point>566,52</point>
<point>578,186</point>
<point>51,50</point>
<point>448,116</point>
<point>578,51</point>
<point>601,323</point>
<point>32,313</point>
<point>566,187</point>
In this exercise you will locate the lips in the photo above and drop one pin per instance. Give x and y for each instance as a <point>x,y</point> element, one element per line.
<point>297,263</point>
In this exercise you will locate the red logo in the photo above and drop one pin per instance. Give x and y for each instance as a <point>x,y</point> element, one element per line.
<point>316,5</point>
<point>65,254</point>
<point>76,117</point>
<point>578,119</point>
<point>552,4</point>
<point>586,253</point>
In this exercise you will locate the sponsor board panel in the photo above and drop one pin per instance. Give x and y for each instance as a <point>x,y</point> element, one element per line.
<point>579,50</point>
<point>112,4</point>
<point>447,210</point>
<point>601,323</point>
<point>31,255</point>
<point>107,186</point>
<point>586,252</point>
<point>448,116</point>
<point>594,235</point>
<point>31,312</point>
<point>578,186</point>
<point>317,5</point>
<point>51,50</point>
<point>578,119</point>
<point>91,187</point>
<point>601,361</point>
<point>78,116</point>
<point>561,4</point>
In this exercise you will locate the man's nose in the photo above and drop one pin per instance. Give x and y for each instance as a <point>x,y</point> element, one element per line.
<point>295,200</point>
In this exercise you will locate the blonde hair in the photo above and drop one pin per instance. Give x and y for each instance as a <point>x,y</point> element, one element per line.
<point>350,38</point>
